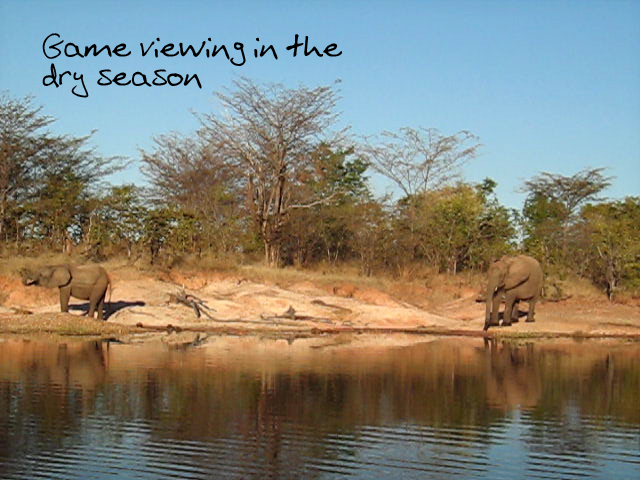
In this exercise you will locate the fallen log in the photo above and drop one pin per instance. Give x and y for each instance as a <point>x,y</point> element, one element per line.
<point>291,314</point>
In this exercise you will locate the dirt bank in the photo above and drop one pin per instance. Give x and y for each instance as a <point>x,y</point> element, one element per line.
<point>145,302</point>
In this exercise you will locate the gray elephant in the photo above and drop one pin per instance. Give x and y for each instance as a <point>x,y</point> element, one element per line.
<point>514,278</point>
<point>86,282</point>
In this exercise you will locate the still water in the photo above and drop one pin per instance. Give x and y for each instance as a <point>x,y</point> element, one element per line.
<point>244,409</point>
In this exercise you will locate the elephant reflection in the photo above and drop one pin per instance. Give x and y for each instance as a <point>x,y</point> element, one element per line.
<point>512,376</point>
<point>82,364</point>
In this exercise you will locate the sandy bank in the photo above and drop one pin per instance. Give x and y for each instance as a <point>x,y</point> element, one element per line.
<point>236,305</point>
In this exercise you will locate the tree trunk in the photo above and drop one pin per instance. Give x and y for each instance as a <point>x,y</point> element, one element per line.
<point>611,281</point>
<point>272,254</point>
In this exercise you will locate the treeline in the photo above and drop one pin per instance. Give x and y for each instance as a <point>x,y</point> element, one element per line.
<point>273,177</point>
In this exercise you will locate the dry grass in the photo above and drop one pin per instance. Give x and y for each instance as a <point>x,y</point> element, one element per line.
<point>574,287</point>
<point>322,276</point>
<point>202,263</point>
<point>60,324</point>
<point>11,265</point>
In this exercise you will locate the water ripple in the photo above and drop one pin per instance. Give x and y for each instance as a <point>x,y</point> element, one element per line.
<point>174,416</point>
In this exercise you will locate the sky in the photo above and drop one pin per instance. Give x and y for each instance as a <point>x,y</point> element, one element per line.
<point>547,86</point>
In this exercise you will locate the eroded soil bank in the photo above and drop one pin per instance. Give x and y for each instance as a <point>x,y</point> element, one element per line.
<point>143,306</point>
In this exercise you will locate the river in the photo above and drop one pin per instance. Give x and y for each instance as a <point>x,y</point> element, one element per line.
<point>244,408</point>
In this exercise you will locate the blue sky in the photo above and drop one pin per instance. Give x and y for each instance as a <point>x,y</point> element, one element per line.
<point>546,85</point>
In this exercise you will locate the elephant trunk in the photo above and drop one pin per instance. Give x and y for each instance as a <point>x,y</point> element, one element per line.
<point>492,286</point>
<point>28,278</point>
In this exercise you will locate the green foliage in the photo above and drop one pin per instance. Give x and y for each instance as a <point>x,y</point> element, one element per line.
<point>116,222</point>
<point>544,220</point>
<point>568,230</point>
<point>24,148</point>
<point>372,238</point>
<point>497,229</point>
<point>551,214</point>
<point>47,181</point>
<point>325,230</point>
<point>613,243</point>
<point>449,229</point>
<point>338,174</point>
<point>157,231</point>
<point>453,228</point>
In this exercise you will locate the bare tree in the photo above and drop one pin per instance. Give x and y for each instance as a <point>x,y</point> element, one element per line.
<point>270,132</point>
<point>184,170</point>
<point>420,159</point>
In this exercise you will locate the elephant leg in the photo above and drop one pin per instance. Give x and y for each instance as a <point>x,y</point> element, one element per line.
<point>100,308</point>
<point>509,300</point>
<point>515,312</point>
<point>65,293</point>
<point>96,303</point>
<point>532,309</point>
<point>93,302</point>
<point>489,319</point>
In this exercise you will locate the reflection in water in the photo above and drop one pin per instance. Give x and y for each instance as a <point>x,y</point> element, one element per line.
<point>248,409</point>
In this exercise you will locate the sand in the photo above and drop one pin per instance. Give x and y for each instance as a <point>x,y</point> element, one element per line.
<point>144,303</point>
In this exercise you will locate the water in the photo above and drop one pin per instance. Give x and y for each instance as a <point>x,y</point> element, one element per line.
<point>249,409</point>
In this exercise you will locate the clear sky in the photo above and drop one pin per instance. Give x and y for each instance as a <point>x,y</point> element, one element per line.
<point>546,85</point>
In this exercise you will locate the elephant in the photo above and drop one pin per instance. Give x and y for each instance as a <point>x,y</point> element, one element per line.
<point>86,282</point>
<point>514,278</point>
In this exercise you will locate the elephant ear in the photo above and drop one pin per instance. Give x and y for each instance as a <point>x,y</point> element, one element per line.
<point>59,277</point>
<point>518,273</point>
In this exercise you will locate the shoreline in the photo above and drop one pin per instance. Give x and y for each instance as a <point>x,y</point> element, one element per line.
<point>300,305</point>
<point>70,326</point>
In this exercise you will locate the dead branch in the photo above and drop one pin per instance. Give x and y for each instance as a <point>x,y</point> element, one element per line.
<point>198,305</point>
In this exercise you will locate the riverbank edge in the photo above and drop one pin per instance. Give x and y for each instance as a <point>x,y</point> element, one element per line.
<point>76,327</point>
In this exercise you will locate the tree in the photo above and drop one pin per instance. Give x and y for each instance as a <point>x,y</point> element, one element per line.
<point>270,133</point>
<point>338,220</point>
<point>45,179</point>
<point>117,221</point>
<point>552,209</point>
<point>419,159</point>
<point>23,145</point>
<point>185,173</point>
<point>544,221</point>
<point>324,231</point>
<point>448,226</point>
<point>453,228</point>
<point>612,238</point>
<point>571,192</point>
<point>371,238</point>
<point>59,202</point>
<point>496,228</point>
